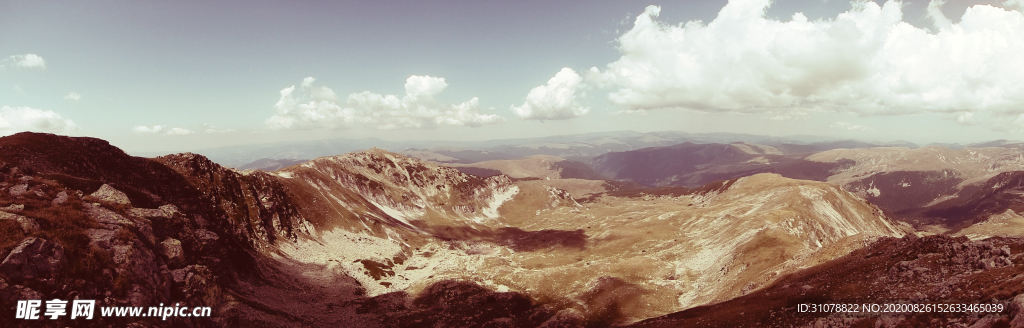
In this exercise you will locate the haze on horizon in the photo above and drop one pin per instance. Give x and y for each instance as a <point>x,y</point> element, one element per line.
<point>190,75</point>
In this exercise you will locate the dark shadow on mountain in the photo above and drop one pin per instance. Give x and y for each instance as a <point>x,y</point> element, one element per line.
<point>907,270</point>
<point>976,203</point>
<point>454,303</point>
<point>477,171</point>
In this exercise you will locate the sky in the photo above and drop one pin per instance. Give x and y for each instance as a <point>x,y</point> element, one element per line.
<point>170,76</point>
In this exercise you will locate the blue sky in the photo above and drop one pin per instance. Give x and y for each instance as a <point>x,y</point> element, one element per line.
<point>188,75</point>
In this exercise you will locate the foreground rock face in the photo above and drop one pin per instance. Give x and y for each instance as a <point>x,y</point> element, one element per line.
<point>34,258</point>
<point>258,206</point>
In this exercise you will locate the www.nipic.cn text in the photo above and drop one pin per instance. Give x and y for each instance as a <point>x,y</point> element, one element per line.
<point>85,309</point>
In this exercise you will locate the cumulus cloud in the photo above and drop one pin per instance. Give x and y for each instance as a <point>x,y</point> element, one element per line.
<point>17,119</point>
<point>73,96</point>
<point>318,107</point>
<point>965,118</point>
<point>146,129</point>
<point>207,128</point>
<point>162,129</point>
<point>849,126</point>
<point>934,12</point>
<point>555,100</point>
<point>23,61</point>
<point>1017,5</point>
<point>866,60</point>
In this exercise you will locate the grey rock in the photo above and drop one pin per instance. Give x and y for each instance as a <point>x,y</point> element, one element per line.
<point>172,249</point>
<point>179,276</point>
<point>61,199</point>
<point>148,213</point>
<point>13,208</point>
<point>33,258</point>
<point>25,293</point>
<point>28,225</point>
<point>142,265</point>
<point>18,190</point>
<point>1016,309</point>
<point>107,195</point>
<point>986,322</point>
<point>206,236</point>
<point>106,218</point>
<point>170,210</point>
<point>146,229</point>
<point>100,237</point>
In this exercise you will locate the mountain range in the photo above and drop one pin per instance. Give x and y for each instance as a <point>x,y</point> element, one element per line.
<point>643,230</point>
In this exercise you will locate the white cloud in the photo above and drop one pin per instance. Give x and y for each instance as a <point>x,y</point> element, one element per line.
<point>23,61</point>
<point>179,132</point>
<point>966,118</point>
<point>849,126</point>
<point>156,129</point>
<point>866,61</point>
<point>934,12</point>
<point>207,128</point>
<point>313,107</point>
<point>308,82</point>
<point>555,100</point>
<point>73,96</point>
<point>162,129</point>
<point>17,119</point>
<point>1017,5</point>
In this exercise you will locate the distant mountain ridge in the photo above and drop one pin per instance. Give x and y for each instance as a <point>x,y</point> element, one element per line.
<point>579,147</point>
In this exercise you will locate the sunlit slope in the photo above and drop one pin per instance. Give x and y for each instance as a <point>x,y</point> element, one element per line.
<point>394,189</point>
<point>673,252</point>
<point>395,223</point>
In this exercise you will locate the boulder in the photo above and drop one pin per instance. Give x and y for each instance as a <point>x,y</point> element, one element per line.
<point>148,213</point>
<point>27,224</point>
<point>107,195</point>
<point>18,190</point>
<point>61,199</point>
<point>142,267</point>
<point>173,251</point>
<point>33,258</point>
<point>1016,308</point>
<point>179,276</point>
<point>13,208</point>
<point>206,236</point>
<point>107,219</point>
<point>100,237</point>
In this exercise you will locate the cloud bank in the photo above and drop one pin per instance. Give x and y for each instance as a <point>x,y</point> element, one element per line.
<point>554,101</point>
<point>162,129</point>
<point>74,96</point>
<point>23,61</point>
<point>18,119</point>
<point>849,126</point>
<point>866,60</point>
<point>316,107</point>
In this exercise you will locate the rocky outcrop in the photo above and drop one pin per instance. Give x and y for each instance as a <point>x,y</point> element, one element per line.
<point>27,224</point>
<point>172,251</point>
<point>34,258</point>
<point>110,196</point>
<point>398,190</point>
<point>258,206</point>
